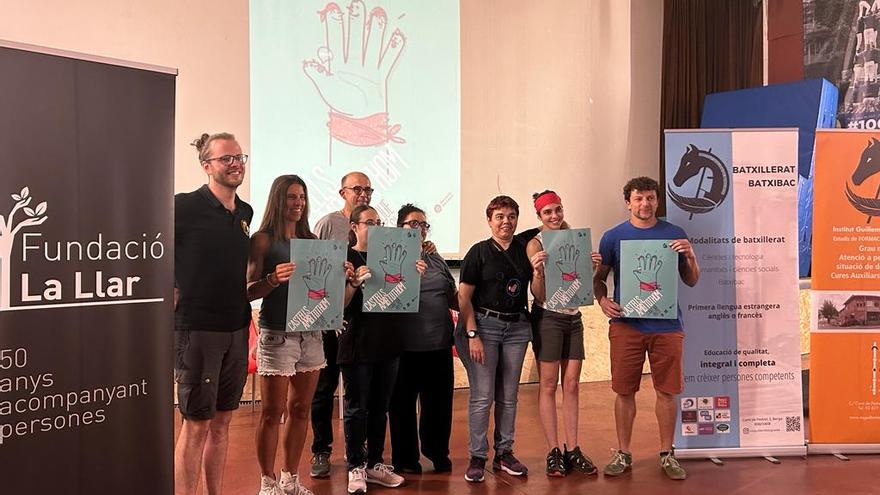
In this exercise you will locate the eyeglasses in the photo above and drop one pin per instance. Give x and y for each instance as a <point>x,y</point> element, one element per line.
<point>372,223</point>
<point>358,190</point>
<point>415,224</point>
<point>227,160</point>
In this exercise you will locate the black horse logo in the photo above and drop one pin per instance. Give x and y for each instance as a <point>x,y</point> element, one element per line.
<point>696,161</point>
<point>869,165</point>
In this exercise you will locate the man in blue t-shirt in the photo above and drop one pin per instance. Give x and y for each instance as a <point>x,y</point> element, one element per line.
<point>631,338</point>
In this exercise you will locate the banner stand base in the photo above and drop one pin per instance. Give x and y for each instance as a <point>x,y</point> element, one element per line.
<point>770,453</point>
<point>838,449</point>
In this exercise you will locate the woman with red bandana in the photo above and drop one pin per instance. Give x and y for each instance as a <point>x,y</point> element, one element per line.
<point>558,342</point>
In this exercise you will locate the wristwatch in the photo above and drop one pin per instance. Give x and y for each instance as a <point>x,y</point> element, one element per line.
<point>471,334</point>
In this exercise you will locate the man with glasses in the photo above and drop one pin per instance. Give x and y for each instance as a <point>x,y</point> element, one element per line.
<point>355,191</point>
<point>212,313</point>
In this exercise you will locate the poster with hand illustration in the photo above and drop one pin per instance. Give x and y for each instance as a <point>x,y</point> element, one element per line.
<point>394,283</point>
<point>568,271</point>
<point>648,279</point>
<point>316,289</point>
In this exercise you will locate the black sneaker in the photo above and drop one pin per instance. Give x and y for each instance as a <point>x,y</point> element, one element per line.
<point>320,465</point>
<point>575,460</point>
<point>443,465</point>
<point>555,463</point>
<point>509,464</point>
<point>410,468</point>
<point>475,470</point>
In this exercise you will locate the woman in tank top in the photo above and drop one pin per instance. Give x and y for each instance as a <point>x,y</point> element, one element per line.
<point>558,342</point>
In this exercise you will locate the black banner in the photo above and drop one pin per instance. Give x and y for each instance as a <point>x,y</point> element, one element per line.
<point>86,276</point>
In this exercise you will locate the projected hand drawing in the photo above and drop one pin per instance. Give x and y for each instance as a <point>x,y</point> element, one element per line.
<point>371,86</point>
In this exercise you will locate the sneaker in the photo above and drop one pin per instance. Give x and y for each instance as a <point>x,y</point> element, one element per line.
<point>414,468</point>
<point>509,464</point>
<point>670,466</point>
<point>555,463</point>
<point>475,470</point>
<point>357,480</point>
<point>268,486</point>
<point>443,465</point>
<point>290,485</point>
<point>320,465</point>
<point>383,474</point>
<point>575,460</point>
<point>620,463</point>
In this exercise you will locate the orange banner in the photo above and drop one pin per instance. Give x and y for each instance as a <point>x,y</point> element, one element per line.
<point>845,314</point>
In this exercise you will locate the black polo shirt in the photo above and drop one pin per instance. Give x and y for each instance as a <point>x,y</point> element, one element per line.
<point>500,279</point>
<point>211,246</point>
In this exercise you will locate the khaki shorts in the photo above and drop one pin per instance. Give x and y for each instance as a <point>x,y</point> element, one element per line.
<point>288,353</point>
<point>628,348</point>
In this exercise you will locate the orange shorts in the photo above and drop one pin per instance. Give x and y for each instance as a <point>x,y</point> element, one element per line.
<point>628,348</point>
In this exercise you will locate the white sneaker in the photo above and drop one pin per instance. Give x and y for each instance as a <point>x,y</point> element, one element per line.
<point>383,474</point>
<point>290,485</point>
<point>268,486</point>
<point>357,480</point>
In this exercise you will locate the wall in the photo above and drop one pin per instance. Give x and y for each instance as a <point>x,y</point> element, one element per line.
<point>558,95</point>
<point>206,41</point>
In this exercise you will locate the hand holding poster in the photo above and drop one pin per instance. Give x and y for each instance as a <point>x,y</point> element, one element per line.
<point>314,294</point>
<point>648,279</point>
<point>395,283</point>
<point>568,273</point>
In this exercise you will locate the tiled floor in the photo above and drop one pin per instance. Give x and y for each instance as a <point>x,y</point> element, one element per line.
<point>816,475</point>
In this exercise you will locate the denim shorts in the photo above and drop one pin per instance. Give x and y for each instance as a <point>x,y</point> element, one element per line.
<point>288,353</point>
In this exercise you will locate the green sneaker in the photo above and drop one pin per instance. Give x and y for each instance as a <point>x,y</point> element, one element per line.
<point>620,463</point>
<point>670,466</point>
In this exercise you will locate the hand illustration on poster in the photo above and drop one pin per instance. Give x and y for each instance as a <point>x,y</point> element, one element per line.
<point>648,279</point>
<point>569,271</point>
<point>395,282</point>
<point>315,294</point>
<point>392,264</point>
<point>351,74</point>
<point>647,271</point>
<point>316,279</point>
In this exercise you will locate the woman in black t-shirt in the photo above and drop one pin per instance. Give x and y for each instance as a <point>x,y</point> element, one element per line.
<point>493,335</point>
<point>368,355</point>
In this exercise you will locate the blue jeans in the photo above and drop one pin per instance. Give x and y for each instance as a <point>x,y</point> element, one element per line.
<point>504,345</point>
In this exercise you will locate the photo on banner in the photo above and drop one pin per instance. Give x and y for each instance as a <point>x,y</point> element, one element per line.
<point>316,290</point>
<point>360,85</point>
<point>734,192</point>
<point>394,284</point>
<point>845,296</point>
<point>568,271</point>
<point>648,279</point>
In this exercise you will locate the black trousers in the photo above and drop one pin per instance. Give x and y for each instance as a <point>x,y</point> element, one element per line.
<point>427,377</point>
<point>368,388</point>
<point>322,402</point>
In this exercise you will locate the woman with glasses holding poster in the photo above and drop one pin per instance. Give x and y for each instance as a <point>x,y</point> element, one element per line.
<point>288,362</point>
<point>369,351</point>
<point>492,336</point>
<point>425,373</point>
<point>559,346</point>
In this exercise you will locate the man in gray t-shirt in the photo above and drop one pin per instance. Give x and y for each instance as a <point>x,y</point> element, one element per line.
<point>355,190</point>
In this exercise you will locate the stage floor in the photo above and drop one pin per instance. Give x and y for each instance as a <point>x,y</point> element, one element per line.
<point>816,475</point>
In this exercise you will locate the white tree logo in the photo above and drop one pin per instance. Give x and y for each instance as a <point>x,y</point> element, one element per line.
<point>8,231</point>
